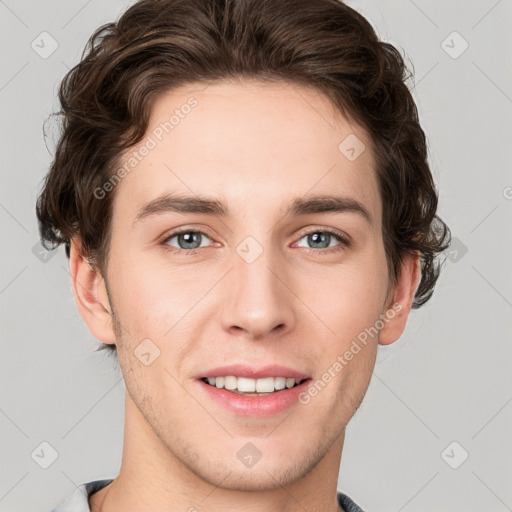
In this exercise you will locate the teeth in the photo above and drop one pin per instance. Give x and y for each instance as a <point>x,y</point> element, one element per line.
<point>265,385</point>
<point>246,385</point>
<point>279,383</point>
<point>290,383</point>
<point>230,382</point>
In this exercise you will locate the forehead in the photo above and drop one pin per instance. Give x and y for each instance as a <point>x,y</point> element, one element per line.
<point>252,144</point>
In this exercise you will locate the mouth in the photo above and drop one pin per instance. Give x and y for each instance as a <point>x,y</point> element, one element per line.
<point>253,387</point>
<point>251,391</point>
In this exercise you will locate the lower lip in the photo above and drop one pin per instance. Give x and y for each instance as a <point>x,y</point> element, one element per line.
<point>267,405</point>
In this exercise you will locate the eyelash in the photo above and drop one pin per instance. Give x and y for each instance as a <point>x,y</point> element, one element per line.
<point>344,241</point>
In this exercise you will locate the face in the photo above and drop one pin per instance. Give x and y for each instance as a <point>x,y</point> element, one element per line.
<point>260,275</point>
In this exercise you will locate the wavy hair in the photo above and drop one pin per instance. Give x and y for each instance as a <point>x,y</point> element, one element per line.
<point>106,100</point>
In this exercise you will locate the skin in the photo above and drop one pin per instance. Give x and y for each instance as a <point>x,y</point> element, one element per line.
<point>256,146</point>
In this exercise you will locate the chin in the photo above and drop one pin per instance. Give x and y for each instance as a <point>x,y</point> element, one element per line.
<point>269,473</point>
<point>259,479</point>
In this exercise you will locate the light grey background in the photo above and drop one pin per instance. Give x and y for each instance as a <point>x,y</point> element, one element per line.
<point>448,378</point>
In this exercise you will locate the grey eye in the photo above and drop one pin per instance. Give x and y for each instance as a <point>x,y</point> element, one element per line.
<point>320,239</point>
<point>188,240</point>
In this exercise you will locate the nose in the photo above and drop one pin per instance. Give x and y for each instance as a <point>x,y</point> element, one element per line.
<point>258,301</point>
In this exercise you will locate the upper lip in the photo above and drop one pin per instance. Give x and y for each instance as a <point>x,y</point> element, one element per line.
<point>251,372</point>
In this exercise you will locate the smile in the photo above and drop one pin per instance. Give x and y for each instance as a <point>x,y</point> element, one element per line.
<point>252,387</point>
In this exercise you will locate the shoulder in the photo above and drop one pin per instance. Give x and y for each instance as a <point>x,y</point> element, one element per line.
<point>347,504</point>
<point>79,500</point>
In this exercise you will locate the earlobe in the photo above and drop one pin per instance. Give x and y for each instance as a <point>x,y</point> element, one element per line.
<point>398,309</point>
<point>90,295</point>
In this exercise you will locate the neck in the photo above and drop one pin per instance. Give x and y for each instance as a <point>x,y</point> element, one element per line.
<point>152,477</point>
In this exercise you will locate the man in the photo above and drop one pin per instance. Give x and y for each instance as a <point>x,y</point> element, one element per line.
<point>244,194</point>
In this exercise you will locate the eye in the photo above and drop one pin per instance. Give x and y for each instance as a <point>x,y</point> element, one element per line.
<point>186,240</point>
<point>322,239</point>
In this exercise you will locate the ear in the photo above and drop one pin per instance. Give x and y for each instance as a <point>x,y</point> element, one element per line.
<point>398,309</point>
<point>90,295</point>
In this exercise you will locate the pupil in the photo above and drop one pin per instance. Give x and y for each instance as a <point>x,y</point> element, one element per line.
<point>189,240</point>
<point>316,238</point>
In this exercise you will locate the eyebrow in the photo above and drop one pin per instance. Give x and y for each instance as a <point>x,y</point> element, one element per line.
<point>299,206</point>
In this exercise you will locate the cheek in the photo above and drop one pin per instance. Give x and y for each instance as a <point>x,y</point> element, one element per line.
<point>151,297</point>
<point>340,298</point>
<point>347,299</point>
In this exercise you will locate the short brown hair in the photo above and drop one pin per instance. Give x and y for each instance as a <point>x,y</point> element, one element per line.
<point>155,46</point>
